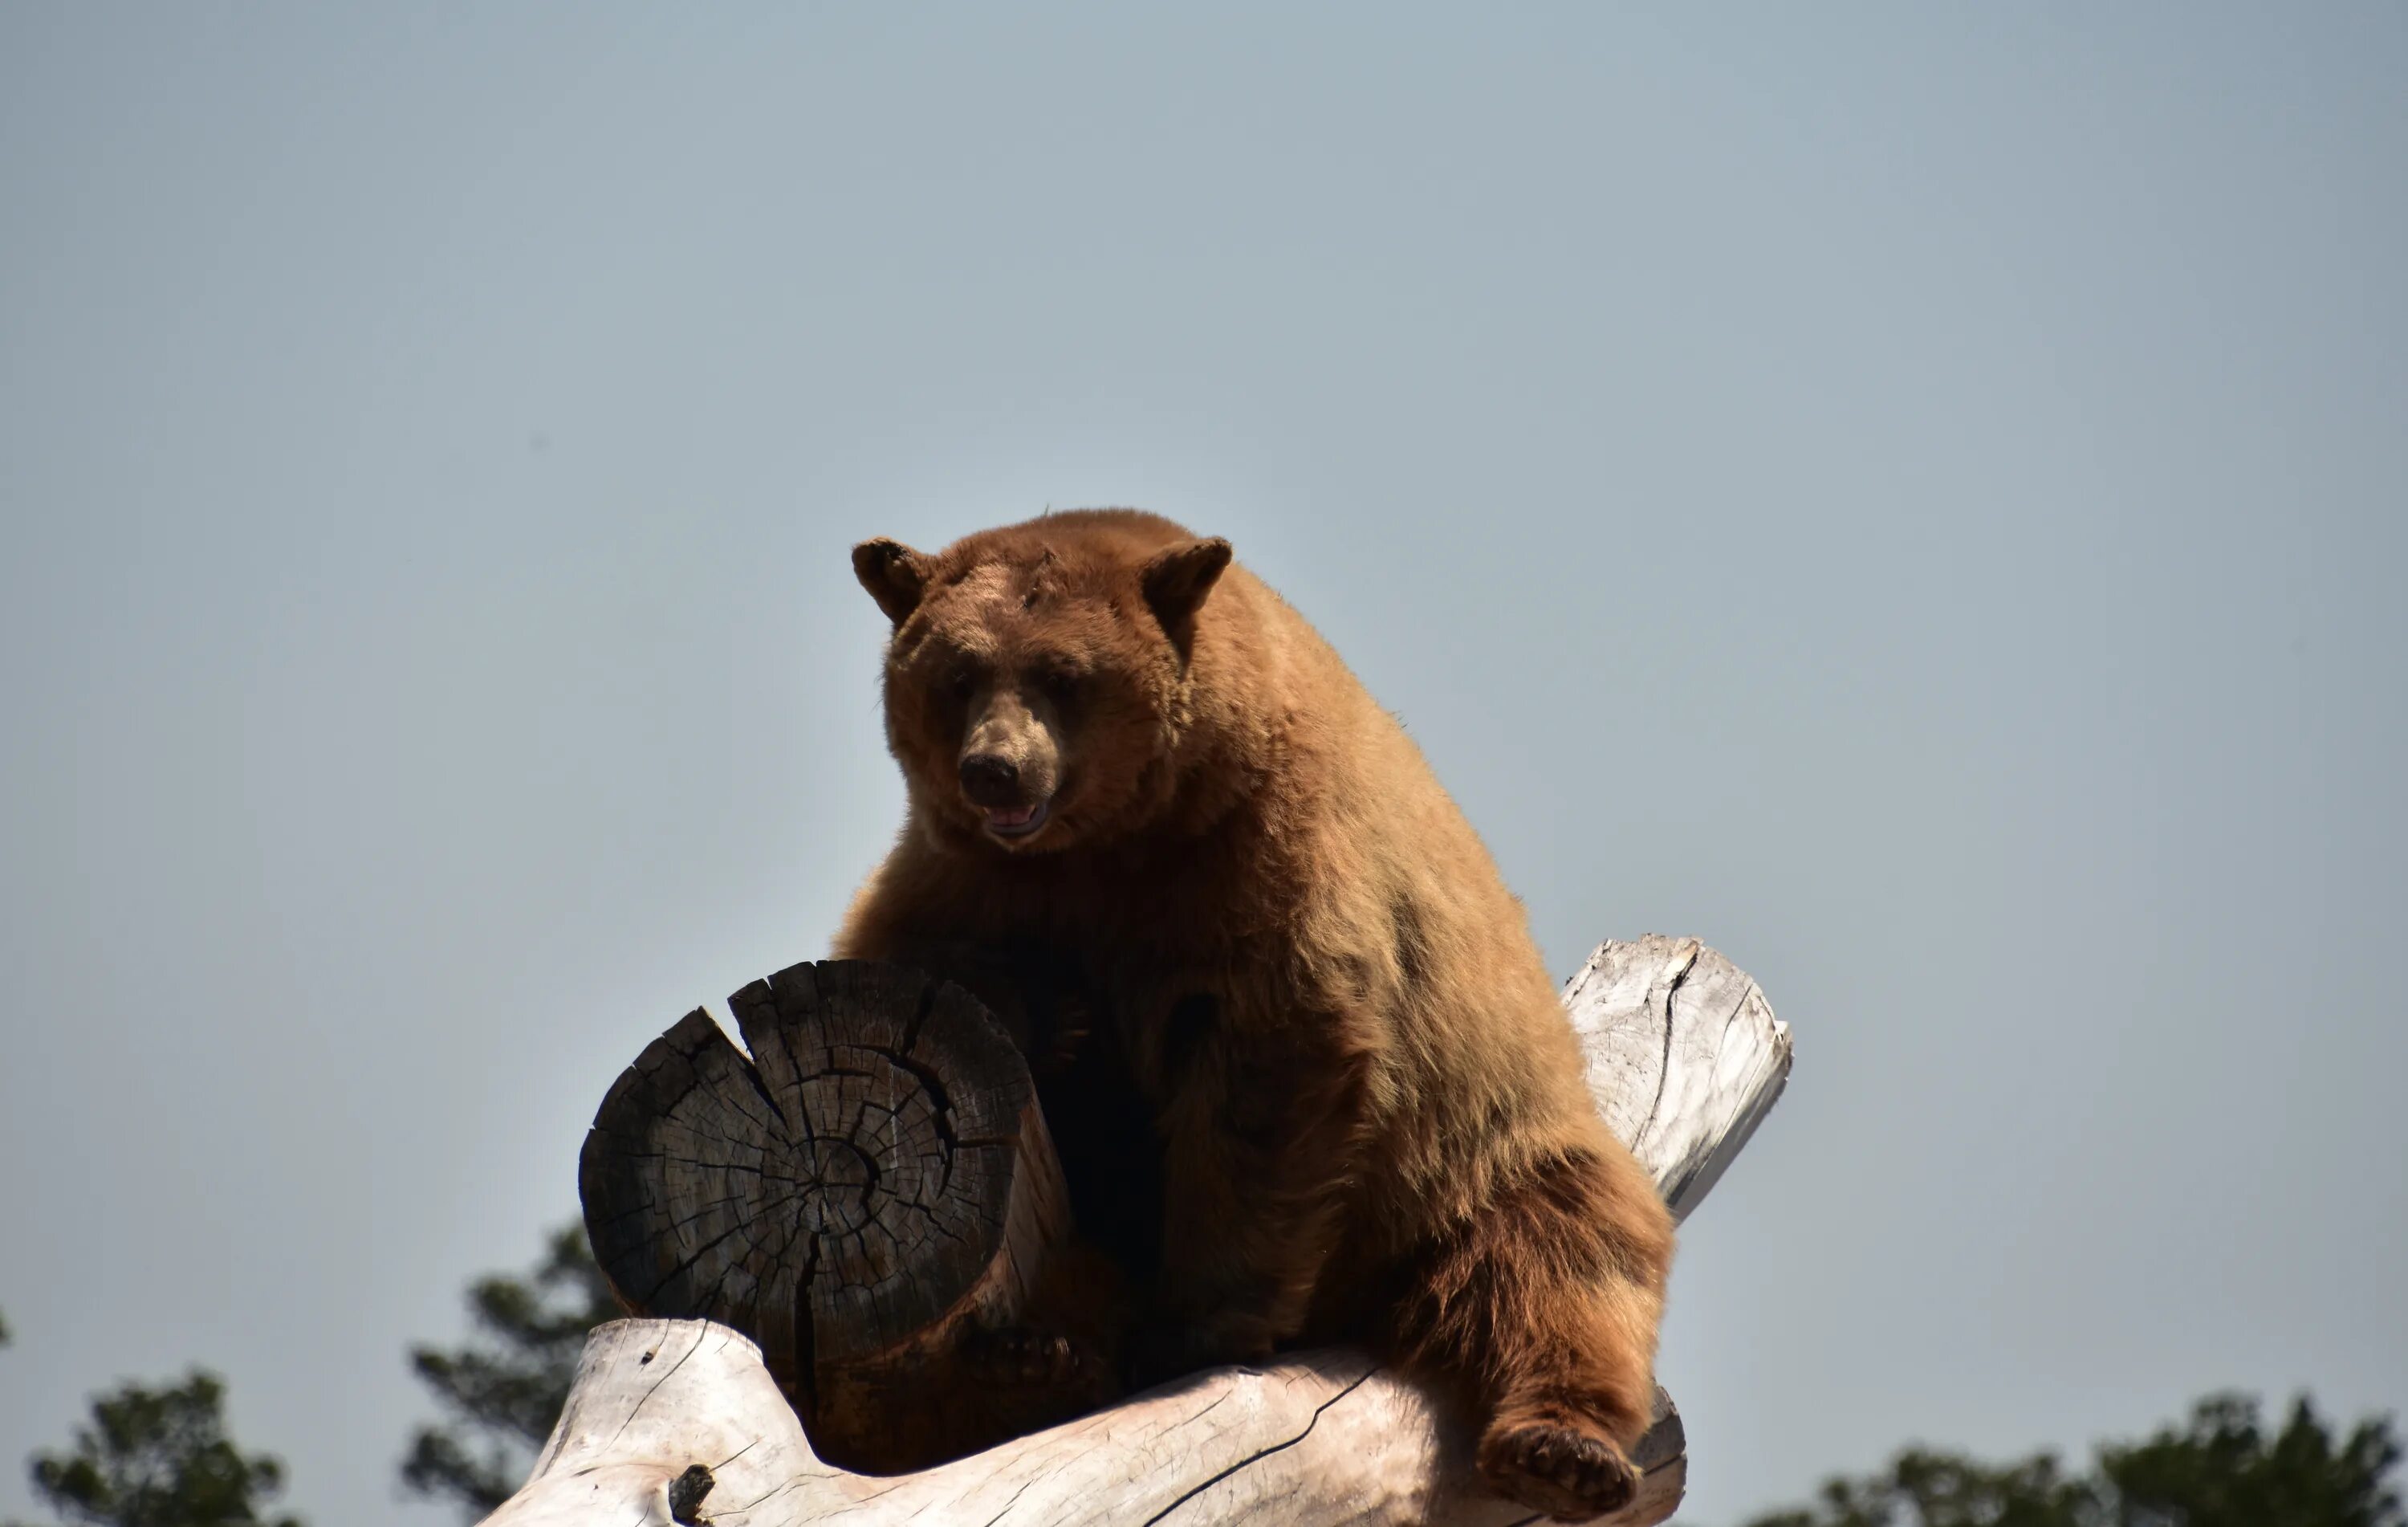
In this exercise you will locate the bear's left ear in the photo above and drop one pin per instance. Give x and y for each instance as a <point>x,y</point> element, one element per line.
<point>894,574</point>
<point>1177,578</point>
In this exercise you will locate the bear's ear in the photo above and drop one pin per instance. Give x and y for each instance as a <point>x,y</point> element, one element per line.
<point>894,574</point>
<point>1177,578</point>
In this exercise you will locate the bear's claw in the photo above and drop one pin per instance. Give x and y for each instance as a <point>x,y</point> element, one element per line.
<point>1021,1355</point>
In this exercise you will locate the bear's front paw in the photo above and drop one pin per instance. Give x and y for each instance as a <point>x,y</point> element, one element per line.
<point>1024,1357</point>
<point>1569,1473</point>
<point>1164,1350</point>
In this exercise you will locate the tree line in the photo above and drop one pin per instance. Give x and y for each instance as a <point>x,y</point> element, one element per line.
<point>159,1455</point>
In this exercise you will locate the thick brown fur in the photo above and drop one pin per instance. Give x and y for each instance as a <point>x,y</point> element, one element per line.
<point>1246,887</point>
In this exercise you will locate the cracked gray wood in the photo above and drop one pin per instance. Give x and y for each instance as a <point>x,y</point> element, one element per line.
<point>873,1183</point>
<point>1685,1057</point>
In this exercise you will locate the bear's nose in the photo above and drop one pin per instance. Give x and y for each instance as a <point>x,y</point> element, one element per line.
<point>990,779</point>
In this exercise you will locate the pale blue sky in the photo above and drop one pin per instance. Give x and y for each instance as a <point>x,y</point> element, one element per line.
<point>1912,495</point>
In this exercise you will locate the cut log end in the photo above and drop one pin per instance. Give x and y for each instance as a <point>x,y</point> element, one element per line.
<point>865,1192</point>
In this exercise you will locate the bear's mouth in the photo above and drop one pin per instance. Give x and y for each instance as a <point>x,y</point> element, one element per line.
<point>1016,821</point>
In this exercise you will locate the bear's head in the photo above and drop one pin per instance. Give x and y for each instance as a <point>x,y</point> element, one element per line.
<point>1038,681</point>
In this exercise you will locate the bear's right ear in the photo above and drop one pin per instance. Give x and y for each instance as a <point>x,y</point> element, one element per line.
<point>894,574</point>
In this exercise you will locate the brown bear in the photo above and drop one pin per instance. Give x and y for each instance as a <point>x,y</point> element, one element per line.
<point>1134,772</point>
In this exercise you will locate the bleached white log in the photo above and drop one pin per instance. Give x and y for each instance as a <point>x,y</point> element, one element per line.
<point>1685,1058</point>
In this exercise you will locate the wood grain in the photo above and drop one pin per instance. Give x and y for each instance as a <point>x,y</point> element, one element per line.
<point>861,1195</point>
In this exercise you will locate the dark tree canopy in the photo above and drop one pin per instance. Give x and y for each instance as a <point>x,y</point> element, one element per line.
<point>2221,1469</point>
<point>160,1458</point>
<point>501,1392</point>
<point>2226,1468</point>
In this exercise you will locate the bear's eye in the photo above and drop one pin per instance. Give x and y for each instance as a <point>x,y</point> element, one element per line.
<point>962,681</point>
<point>1057,683</point>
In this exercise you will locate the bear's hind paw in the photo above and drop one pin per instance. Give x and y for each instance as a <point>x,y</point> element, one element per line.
<point>1570,1474</point>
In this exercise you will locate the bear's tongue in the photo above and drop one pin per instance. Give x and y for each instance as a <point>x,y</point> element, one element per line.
<point>1012,821</point>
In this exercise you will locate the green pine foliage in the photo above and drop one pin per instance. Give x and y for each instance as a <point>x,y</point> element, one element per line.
<point>2223,1468</point>
<point>501,1392</point>
<point>160,1458</point>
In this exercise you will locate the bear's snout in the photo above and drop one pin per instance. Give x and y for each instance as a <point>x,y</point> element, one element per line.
<point>990,779</point>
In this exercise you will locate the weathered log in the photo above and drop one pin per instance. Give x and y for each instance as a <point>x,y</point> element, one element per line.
<point>1320,1437</point>
<point>869,1193</point>
<point>1684,1057</point>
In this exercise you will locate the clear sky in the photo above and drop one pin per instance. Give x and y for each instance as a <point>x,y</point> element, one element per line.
<point>1911,494</point>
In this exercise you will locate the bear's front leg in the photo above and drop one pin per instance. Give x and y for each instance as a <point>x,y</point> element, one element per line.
<point>1261,1133</point>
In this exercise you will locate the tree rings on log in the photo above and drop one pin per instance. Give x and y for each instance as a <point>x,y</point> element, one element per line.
<point>865,1195</point>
